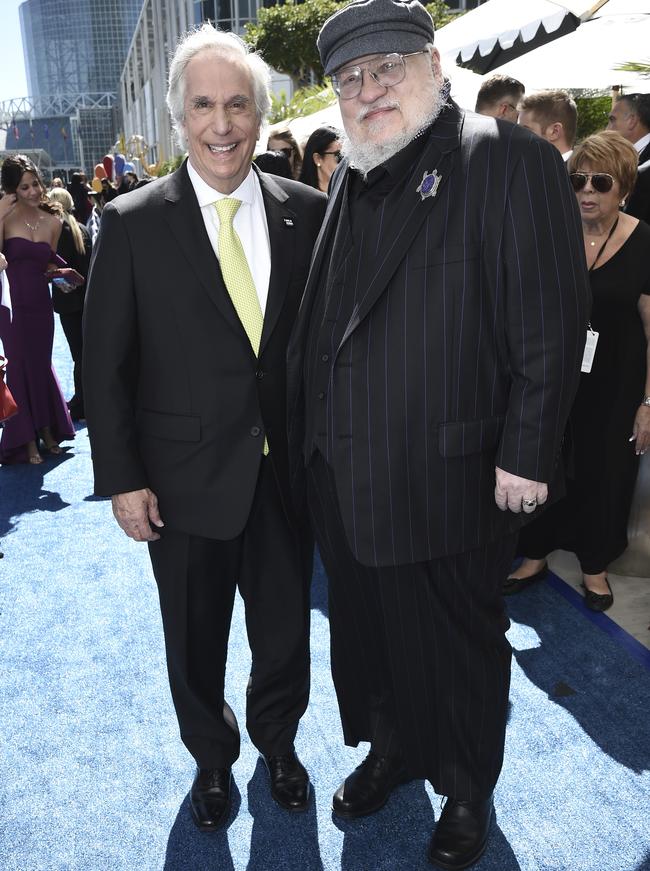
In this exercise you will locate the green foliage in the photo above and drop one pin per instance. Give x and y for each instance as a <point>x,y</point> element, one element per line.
<point>592,115</point>
<point>440,12</point>
<point>286,35</point>
<point>636,67</point>
<point>170,165</point>
<point>305,101</point>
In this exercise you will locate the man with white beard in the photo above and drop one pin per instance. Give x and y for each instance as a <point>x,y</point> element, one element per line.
<point>431,371</point>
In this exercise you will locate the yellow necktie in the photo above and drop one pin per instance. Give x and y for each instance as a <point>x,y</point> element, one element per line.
<point>237,276</point>
<point>236,273</point>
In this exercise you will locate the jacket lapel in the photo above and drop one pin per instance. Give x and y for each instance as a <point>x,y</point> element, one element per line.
<point>405,220</point>
<point>282,224</point>
<point>186,222</point>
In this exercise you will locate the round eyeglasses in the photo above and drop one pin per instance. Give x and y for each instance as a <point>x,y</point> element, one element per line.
<point>387,71</point>
<point>602,182</point>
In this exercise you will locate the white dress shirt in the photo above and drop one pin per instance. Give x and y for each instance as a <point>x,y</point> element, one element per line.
<point>250,225</point>
<point>641,143</point>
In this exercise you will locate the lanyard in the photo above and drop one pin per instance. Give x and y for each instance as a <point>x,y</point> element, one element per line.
<point>602,247</point>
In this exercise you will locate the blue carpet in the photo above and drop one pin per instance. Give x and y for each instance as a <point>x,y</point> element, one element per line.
<point>93,776</point>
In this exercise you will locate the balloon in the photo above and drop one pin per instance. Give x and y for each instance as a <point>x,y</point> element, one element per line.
<point>108,165</point>
<point>119,164</point>
<point>100,172</point>
<point>96,185</point>
<point>128,167</point>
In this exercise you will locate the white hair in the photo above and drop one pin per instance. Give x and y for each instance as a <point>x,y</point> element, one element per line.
<point>223,44</point>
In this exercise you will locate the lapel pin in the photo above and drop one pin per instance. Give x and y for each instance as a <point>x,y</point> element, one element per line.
<point>429,184</point>
<point>288,222</point>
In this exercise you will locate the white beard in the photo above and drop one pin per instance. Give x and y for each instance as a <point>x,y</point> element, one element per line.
<point>366,155</point>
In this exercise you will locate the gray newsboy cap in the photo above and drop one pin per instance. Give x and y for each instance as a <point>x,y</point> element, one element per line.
<point>373,27</point>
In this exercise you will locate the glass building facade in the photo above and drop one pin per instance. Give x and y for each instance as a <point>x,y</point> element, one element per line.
<point>77,48</point>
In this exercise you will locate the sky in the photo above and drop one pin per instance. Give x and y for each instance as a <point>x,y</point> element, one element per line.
<point>13,82</point>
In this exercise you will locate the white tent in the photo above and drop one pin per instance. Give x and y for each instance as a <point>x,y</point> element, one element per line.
<point>587,59</point>
<point>499,30</point>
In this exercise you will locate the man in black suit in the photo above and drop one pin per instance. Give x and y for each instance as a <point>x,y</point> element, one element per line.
<point>194,287</point>
<point>431,371</point>
<point>630,116</point>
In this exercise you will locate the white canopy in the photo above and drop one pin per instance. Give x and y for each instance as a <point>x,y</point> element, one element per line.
<point>587,58</point>
<point>494,31</point>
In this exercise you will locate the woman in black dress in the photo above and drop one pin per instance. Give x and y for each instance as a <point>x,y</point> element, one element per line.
<point>609,426</point>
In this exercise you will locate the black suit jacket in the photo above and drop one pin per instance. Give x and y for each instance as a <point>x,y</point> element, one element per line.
<point>639,203</point>
<point>464,350</point>
<point>174,396</point>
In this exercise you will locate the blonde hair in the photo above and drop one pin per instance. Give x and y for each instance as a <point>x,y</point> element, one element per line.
<point>64,199</point>
<point>608,152</point>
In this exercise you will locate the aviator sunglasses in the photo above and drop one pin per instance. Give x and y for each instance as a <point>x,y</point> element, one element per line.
<point>602,182</point>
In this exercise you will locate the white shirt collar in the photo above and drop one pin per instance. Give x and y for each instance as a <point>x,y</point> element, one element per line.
<point>641,143</point>
<point>207,195</point>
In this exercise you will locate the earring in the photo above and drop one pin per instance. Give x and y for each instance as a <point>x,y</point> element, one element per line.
<point>622,204</point>
<point>319,165</point>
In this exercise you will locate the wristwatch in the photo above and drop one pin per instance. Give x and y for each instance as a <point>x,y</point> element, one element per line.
<point>646,400</point>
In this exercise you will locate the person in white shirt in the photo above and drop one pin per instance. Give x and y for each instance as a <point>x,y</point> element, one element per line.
<point>195,283</point>
<point>553,115</point>
<point>630,116</point>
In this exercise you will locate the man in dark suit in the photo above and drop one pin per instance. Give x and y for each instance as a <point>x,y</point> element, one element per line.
<point>194,287</point>
<point>630,116</point>
<point>431,371</point>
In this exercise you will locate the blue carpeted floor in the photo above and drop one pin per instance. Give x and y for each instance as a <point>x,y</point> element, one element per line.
<point>93,776</point>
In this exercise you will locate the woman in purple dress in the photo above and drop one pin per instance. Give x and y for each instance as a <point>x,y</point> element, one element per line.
<point>29,234</point>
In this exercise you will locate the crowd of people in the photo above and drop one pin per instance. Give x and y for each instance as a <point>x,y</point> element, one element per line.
<point>422,341</point>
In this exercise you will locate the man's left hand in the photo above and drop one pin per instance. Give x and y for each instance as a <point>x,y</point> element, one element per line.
<point>518,494</point>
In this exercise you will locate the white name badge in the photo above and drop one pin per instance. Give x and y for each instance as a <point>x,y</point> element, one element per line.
<point>590,351</point>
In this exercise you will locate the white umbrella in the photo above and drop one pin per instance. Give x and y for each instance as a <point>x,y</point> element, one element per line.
<point>587,59</point>
<point>501,29</point>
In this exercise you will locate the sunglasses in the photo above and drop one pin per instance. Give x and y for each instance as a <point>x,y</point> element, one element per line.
<point>336,154</point>
<point>602,182</point>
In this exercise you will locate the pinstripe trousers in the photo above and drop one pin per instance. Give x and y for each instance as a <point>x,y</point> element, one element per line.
<point>420,660</point>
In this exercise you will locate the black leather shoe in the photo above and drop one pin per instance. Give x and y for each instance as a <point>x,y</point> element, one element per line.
<point>210,797</point>
<point>369,786</point>
<point>516,585</point>
<point>289,781</point>
<point>460,838</point>
<point>598,601</point>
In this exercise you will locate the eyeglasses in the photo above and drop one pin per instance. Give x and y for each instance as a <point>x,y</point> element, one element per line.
<point>387,71</point>
<point>602,182</point>
<point>288,150</point>
<point>336,154</point>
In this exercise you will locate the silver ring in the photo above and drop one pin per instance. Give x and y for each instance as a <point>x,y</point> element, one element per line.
<point>529,503</point>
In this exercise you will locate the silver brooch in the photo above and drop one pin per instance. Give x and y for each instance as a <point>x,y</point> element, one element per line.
<point>429,184</point>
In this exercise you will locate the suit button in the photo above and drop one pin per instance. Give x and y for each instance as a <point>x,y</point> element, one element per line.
<point>325,358</point>
<point>255,431</point>
<point>259,374</point>
<point>321,395</point>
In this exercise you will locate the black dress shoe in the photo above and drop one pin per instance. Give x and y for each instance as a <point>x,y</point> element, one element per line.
<point>460,838</point>
<point>369,786</point>
<point>289,781</point>
<point>516,585</point>
<point>210,797</point>
<point>598,601</point>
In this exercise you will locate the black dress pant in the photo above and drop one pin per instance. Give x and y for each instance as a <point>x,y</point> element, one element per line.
<point>72,328</point>
<point>420,660</point>
<point>271,564</point>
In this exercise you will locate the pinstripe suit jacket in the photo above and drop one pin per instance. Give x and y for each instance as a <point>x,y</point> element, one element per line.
<point>463,351</point>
